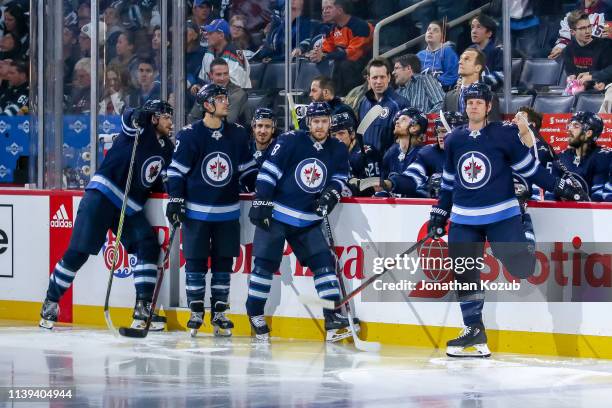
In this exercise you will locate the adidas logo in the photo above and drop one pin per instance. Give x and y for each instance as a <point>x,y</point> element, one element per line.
<point>61,219</point>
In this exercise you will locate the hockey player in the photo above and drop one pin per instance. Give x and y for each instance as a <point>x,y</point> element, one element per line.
<point>100,207</point>
<point>363,163</point>
<point>299,183</point>
<point>477,195</point>
<point>263,126</point>
<point>423,176</point>
<point>584,158</point>
<point>203,183</point>
<point>410,126</point>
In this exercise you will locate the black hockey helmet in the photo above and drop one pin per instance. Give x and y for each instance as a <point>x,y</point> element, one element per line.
<point>589,121</point>
<point>318,109</point>
<point>453,119</point>
<point>208,92</point>
<point>263,113</point>
<point>414,114</point>
<point>157,107</point>
<point>479,90</point>
<point>342,121</point>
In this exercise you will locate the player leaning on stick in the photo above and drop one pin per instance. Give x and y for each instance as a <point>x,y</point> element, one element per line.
<point>477,195</point>
<point>211,156</point>
<point>99,209</point>
<point>299,182</point>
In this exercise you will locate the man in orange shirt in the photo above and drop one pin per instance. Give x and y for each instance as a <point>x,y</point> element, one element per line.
<point>348,44</point>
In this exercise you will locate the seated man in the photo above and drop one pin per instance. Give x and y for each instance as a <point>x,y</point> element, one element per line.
<point>423,92</point>
<point>483,30</point>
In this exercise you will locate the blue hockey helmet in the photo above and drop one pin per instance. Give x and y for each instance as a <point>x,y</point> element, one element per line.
<point>342,121</point>
<point>453,119</point>
<point>478,90</point>
<point>318,109</point>
<point>589,121</point>
<point>263,113</point>
<point>414,114</point>
<point>209,92</point>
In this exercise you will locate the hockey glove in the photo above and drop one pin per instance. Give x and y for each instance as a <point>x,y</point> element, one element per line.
<point>260,213</point>
<point>175,211</point>
<point>328,200</point>
<point>437,222</point>
<point>565,189</point>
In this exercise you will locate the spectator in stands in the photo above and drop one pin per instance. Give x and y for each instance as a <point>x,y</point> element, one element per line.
<point>157,48</point>
<point>116,91</point>
<point>201,12</point>
<point>356,95</point>
<point>599,79</point>
<point>380,133</point>
<point>598,12</point>
<point>112,20</point>
<point>84,13</point>
<point>439,59</point>
<point>78,102</point>
<point>14,101</point>
<point>218,33</point>
<point>85,38</point>
<point>471,66</point>
<point>451,9</point>
<point>348,44</point>
<point>322,89</point>
<point>585,53</point>
<point>148,87</point>
<point>4,67</point>
<point>126,57</point>
<point>10,47</point>
<point>483,30</point>
<point>241,38</point>
<point>194,54</point>
<point>71,50</point>
<point>524,28</point>
<point>422,91</point>
<point>238,107</point>
<point>16,22</point>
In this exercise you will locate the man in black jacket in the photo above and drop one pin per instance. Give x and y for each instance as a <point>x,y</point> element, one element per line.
<point>15,100</point>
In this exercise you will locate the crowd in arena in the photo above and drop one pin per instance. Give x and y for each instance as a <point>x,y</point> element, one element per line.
<point>227,43</point>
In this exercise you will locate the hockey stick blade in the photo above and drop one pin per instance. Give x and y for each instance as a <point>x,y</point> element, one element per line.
<point>362,345</point>
<point>317,301</point>
<point>369,117</point>
<point>132,332</point>
<point>444,122</point>
<point>369,182</point>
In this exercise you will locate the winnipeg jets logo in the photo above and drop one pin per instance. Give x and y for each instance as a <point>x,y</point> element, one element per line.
<point>257,154</point>
<point>474,134</point>
<point>318,146</point>
<point>216,135</point>
<point>401,156</point>
<point>151,169</point>
<point>310,175</point>
<point>475,170</point>
<point>217,169</point>
<point>384,113</point>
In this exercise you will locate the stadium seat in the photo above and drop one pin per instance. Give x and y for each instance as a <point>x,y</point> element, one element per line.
<point>516,102</point>
<point>553,103</point>
<point>274,76</point>
<point>517,65</point>
<point>256,74</point>
<point>255,101</point>
<point>589,102</point>
<point>306,72</point>
<point>540,72</point>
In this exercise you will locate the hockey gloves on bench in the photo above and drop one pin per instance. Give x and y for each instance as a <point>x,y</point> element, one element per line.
<point>565,189</point>
<point>175,211</point>
<point>260,213</point>
<point>328,200</point>
<point>437,222</point>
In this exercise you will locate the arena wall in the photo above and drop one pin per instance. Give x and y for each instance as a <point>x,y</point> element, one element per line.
<point>36,227</point>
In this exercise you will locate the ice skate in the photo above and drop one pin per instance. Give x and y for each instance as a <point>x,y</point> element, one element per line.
<point>337,326</point>
<point>472,342</point>
<point>48,314</point>
<point>260,328</point>
<point>222,326</point>
<point>141,314</point>
<point>197,316</point>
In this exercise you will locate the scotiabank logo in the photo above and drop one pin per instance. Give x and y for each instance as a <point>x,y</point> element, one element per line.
<point>61,219</point>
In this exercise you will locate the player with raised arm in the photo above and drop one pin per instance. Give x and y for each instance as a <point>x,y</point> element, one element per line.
<point>297,185</point>
<point>210,158</point>
<point>100,209</point>
<point>477,195</point>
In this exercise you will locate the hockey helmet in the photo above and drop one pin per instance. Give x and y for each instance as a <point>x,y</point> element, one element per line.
<point>414,114</point>
<point>209,92</point>
<point>318,109</point>
<point>589,121</point>
<point>263,113</point>
<point>342,121</point>
<point>453,119</point>
<point>157,107</point>
<point>478,90</point>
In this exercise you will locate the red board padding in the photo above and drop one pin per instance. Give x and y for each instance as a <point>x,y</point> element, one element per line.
<point>61,221</point>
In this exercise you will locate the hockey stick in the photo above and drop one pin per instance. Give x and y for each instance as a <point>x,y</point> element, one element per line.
<point>444,122</point>
<point>142,333</point>
<point>362,345</point>
<point>128,183</point>
<point>330,304</point>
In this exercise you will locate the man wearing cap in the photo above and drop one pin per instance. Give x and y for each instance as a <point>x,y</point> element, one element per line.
<point>217,34</point>
<point>202,12</point>
<point>85,38</point>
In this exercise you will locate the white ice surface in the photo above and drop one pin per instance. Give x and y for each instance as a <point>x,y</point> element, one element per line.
<point>173,370</point>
